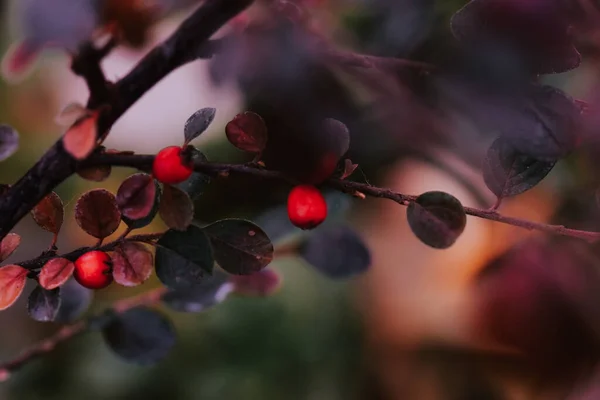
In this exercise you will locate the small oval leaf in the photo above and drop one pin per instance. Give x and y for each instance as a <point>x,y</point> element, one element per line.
<point>336,133</point>
<point>8,245</point>
<point>132,264</point>
<point>74,301</point>
<point>437,219</point>
<point>43,304</point>
<point>508,173</point>
<point>176,208</point>
<point>49,213</point>
<point>140,336</point>
<point>213,289</point>
<point>183,258</point>
<point>337,252</point>
<point>96,212</point>
<point>81,138</point>
<point>136,196</point>
<point>259,284</point>
<point>55,273</point>
<point>9,141</point>
<point>71,114</point>
<point>197,123</point>
<point>12,283</point>
<point>248,132</point>
<point>240,247</point>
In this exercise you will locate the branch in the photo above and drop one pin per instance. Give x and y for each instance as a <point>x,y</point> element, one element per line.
<point>70,331</point>
<point>144,163</point>
<point>57,165</point>
<point>38,262</point>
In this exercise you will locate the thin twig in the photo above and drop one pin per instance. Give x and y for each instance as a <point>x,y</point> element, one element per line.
<point>70,331</point>
<point>143,162</point>
<point>39,262</point>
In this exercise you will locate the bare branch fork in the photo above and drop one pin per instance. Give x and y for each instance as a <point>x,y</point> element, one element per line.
<point>56,164</point>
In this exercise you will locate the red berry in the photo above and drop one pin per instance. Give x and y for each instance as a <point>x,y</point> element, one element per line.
<point>306,207</point>
<point>93,270</point>
<point>169,167</point>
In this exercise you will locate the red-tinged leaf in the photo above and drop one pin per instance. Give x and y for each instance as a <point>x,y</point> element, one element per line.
<point>71,114</point>
<point>18,62</point>
<point>12,282</point>
<point>262,283</point>
<point>176,208</point>
<point>55,273</point>
<point>132,264</point>
<point>96,212</point>
<point>49,213</point>
<point>81,138</point>
<point>248,132</point>
<point>95,174</point>
<point>136,196</point>
<point>349,168</point>
<point>8,245</point>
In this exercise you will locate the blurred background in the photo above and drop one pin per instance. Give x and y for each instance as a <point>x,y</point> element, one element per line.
<point>411,327</point>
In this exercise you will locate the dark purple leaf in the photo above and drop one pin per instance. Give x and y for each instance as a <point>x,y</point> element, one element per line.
<point>183,258</point>
<point>49,213</point>
<point>43,304</point>
<point>240,247</point>
<point>248,132</point>
<point>97,213</point>
<point>136,196</point>
<point>337,252</point>
<point>176,208</point>
<point>197,123</point>
<point>437,219</point>
<point>140,336</point>
<point>508,173</point>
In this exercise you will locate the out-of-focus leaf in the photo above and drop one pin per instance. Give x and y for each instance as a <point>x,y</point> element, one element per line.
<point>248,132</point>
<point>74,301</point>
<point>49,213</point>
<point>240,247</point>
<point>81,138</point>
<point>140,336</point>
<point>437,219</point>
<point>508,173</point>
<point>96,212</point>
<point>211,290</point>
<point>197,123</point>
<point>8,245</point>
<point>259,284</point>
<point>95,174</point>
<point>12,283</point>
<point>9,141</point>
<point>183,258</point>
<point>55,273</point>
<point>43,304</point>
<point>176,208</point>
<point>132,264</point>
<point>337,252</point>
